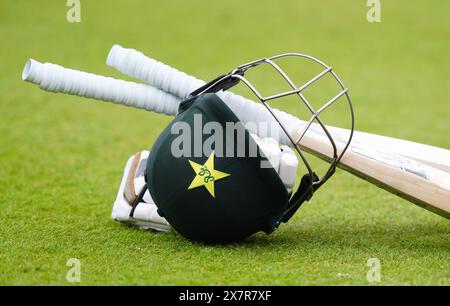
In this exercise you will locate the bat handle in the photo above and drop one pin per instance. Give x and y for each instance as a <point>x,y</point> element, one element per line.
<point>136,65</point>
<point>54,78</point>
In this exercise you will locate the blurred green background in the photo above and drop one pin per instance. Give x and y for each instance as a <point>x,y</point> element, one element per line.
<point>61,157</point>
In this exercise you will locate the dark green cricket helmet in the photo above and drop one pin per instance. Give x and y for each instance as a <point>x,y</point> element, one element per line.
<point>214,197</point>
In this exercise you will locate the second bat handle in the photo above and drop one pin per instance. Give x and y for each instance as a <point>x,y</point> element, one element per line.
<point>55,78</point>
<point>137,65</point>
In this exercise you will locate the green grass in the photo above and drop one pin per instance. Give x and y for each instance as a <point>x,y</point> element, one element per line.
<point>61,157</point>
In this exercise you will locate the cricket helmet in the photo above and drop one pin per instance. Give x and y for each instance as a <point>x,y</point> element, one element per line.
<point>215,197</point>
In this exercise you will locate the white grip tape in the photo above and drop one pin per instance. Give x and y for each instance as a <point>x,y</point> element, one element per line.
<point>137,65</point>
<point>55,78</point>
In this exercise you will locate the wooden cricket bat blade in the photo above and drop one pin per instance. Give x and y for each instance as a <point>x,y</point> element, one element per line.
<point>417,182</point>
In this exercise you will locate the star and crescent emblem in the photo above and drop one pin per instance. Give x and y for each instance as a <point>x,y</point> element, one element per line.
<point>206,175</point>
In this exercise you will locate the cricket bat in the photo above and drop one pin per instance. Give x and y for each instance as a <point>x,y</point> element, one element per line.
<point>416,172</point>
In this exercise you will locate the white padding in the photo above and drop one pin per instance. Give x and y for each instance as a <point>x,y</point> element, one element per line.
<point>270,140</point>
<point>147,198</point>
<point>139,183</point>
<point>144,154</point>
<point>286,149</point>
<point>148,212</point>
<point>272,152</point>
<point>255,137</point>
<point>288,167</point>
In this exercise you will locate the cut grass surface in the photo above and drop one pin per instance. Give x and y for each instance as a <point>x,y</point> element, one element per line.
<point>61,157</point>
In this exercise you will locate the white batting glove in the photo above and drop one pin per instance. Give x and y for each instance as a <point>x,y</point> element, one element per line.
<point>143,213</point>
<point>128,207</point>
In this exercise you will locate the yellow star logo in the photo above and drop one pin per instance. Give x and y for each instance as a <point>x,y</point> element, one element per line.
<point>206,175</point>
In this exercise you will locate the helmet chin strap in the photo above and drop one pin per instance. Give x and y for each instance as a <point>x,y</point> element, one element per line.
<point>139,199</point>
<point>223,82</point>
